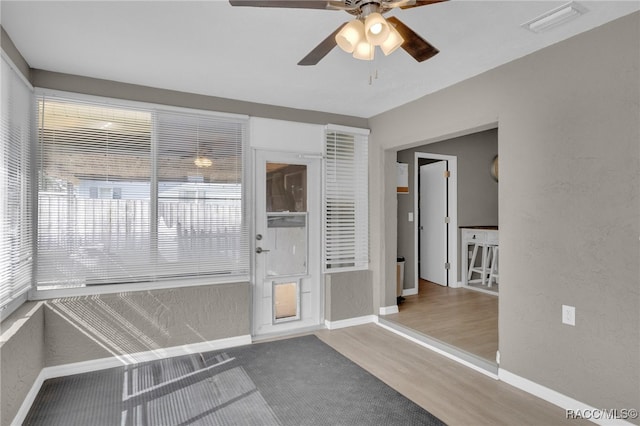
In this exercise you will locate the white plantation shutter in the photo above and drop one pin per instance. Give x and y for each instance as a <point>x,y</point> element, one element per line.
<point>15,190</point>
<point>346,200</point>
<point>120,199</point>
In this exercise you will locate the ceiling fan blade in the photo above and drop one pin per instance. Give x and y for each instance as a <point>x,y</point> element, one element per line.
<point>418,3</point>
<point>413,44</point>
<point>292,4</point>
<point>321,50</point>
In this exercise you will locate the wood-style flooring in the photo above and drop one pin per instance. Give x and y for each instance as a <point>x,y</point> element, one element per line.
<point>463,318</point>
<point>452,392</point>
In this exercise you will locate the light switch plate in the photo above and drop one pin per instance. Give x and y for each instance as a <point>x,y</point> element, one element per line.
<point>410,216</point>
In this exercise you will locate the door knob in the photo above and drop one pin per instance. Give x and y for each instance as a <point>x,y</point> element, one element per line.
<point>260,250</point>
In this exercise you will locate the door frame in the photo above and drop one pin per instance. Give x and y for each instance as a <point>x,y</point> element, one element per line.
<point>304,158</point>
<point>452,208</point>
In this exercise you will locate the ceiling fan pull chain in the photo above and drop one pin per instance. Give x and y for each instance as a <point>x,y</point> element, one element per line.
<point>373,76</point>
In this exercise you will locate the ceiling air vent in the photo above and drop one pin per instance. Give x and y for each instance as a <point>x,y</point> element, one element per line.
<point>555,17</point>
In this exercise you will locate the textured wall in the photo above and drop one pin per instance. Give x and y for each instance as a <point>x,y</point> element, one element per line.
<point>477,190</point>
<point>571,208</point>
<point>97,87</point>
<point>569,131</point>
<point>10,49</point>
<point>21,357</point>
<point>348,295</point>
<point>91,327</point>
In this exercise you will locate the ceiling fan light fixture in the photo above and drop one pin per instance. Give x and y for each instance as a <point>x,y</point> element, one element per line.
<point>392,42</point>
<point>368,26</point>
<point>350,35</point>
<point>202,162</point>
<point>364,51</point>
<point>376,29</point>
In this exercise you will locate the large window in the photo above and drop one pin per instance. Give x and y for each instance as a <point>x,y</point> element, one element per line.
<point>137,194</point>
<point>346,200</point>
<point>15,193</point>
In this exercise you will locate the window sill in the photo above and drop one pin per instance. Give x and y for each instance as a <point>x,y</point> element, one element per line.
<point>126,288</point>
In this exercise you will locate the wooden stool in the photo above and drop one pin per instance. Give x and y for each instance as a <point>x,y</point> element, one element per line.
<point>483,269</point>
<point>493,271</point>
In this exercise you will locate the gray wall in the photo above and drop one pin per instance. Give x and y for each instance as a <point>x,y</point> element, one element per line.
<point>10,49</point>
<point>133,92</point>
<point>22,354</point>
<point>569,133</point>
<point>92,327</point>
<point>348,295</point>
<point>477,190</point>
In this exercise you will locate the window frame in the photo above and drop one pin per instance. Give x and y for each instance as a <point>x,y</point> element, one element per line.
<point>43,294</point>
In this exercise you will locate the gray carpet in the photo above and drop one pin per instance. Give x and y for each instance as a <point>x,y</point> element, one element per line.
<point>299,381</point>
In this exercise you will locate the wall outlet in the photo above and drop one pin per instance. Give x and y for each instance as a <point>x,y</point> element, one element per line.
<point>569,315</point>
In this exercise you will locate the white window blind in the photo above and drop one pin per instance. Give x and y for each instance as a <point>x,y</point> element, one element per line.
<point>15,191</point>
<point>346,201</point>
<point>121,200</point>
<point>201,227</point>
<point>93,194</point>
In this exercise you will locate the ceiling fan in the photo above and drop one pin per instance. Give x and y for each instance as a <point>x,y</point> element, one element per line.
<point>361,35</point>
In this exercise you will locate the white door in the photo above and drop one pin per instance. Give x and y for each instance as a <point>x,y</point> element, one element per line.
<point>433,222</point>
<point>287,291</point>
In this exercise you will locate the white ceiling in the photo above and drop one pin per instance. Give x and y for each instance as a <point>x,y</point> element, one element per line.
<point>250,54</point>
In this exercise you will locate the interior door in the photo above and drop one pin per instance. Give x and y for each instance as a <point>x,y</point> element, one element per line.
<point>287,286</point>
<point>433,222</point>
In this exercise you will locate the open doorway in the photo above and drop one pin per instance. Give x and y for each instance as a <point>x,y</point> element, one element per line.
<point>456,315</point>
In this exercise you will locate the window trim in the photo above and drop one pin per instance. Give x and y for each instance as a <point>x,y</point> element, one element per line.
<point>36,294</point>
<point>171,283</point>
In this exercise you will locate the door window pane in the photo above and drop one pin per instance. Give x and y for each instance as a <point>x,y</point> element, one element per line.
<point>286,187</point>
<point>287,236</point>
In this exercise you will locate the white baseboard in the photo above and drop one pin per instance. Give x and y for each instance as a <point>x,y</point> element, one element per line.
<point>583,410</point>
<point>118,361</point>
<point>481,290</point>
<point>28,400</point>
<point>409,291</point>
<point>350,322</point>
<point>387,310</point>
